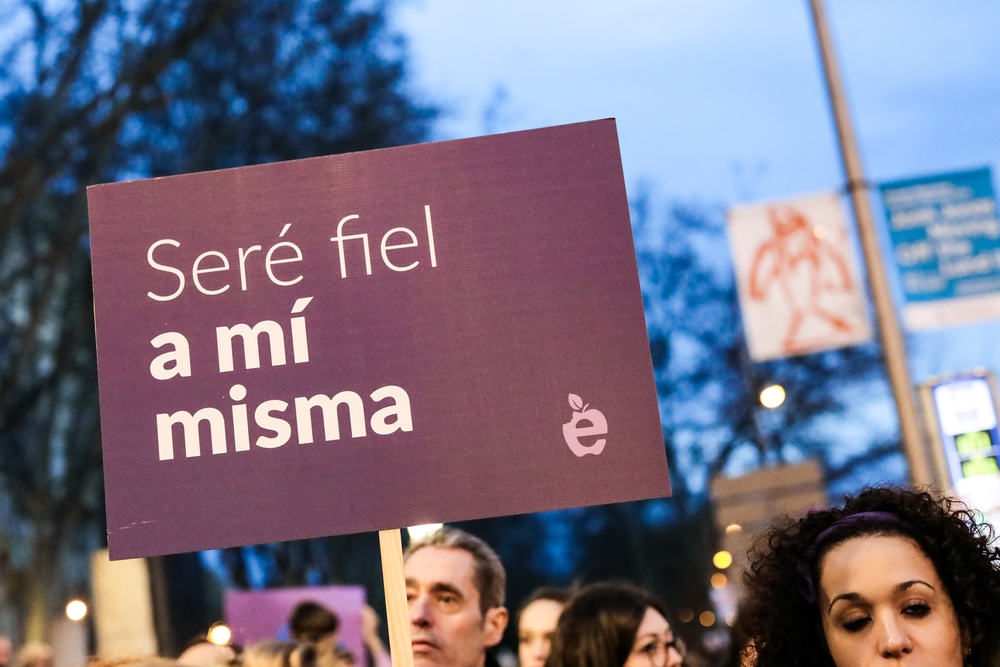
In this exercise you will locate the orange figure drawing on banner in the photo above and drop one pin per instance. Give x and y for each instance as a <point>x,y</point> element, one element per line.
<point>804,269</point>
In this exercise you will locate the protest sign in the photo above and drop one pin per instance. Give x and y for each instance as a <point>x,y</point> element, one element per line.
<point>797,277</point>
<point>946,242</point>
<point>256,615</point>
<point>366,341</point>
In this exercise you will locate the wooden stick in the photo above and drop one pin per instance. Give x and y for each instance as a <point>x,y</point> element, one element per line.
<point>398,621</point>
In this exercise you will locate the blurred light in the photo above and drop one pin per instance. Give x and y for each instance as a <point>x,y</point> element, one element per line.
<point>733,528</point>
<point>772,396</point>
<point>731,619</point>
<point>707,619</point>
<point>722,560</point>
<point>76,610</point>
<point>219,634</point>
<point>686,615</point>
<point>417,532</point>
<point>719,580</point>
<point>819,231</point>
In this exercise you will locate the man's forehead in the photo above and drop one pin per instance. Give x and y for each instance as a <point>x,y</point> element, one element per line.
<point>428,566</point>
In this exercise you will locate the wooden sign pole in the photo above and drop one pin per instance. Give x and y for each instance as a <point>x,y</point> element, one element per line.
<point>397,612</point>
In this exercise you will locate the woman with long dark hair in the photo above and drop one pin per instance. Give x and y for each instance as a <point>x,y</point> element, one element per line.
<point>614,625</point>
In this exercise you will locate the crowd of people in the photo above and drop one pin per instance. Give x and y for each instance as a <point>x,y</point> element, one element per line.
<point>893,577</point>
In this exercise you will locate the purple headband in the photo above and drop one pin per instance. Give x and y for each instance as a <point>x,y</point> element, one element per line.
<point>807,563</point>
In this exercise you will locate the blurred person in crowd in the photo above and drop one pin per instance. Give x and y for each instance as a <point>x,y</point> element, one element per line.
<point>6,651</point>
<point>455,587</point>
<point>35,654</point>
<point>312,623</point>
<point>614,625</point>
<point>277,653</point>
<point>894,577</point>
<point>369,633</point>
<point>536,623</point>
<point>144,661</point>
<point>202,653</point>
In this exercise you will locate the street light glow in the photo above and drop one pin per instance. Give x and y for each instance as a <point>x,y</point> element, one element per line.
<point>219,634</point>
<point>417,532</point>
<point>76,610</point>
<point>773,396</point>
<point>722,559</point>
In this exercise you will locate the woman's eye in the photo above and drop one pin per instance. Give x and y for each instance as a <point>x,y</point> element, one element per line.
<point>649,648</point>
<point>856,624</point>
<point>917,609</point>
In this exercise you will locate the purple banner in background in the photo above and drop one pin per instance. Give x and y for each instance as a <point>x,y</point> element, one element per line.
<point>263,614</point>
<point>367,341</point>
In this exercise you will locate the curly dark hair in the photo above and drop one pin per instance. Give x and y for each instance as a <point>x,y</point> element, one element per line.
<point>785,629</point>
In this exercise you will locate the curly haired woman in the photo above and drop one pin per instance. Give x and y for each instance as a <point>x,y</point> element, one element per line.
<point>895,577</point>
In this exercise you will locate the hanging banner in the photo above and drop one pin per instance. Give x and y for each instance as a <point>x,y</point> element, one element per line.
<point>797,277</point>
<point>946,242</point>
<point>367,341</point>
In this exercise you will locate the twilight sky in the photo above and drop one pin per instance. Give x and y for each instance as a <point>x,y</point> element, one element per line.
<point>721,101</point>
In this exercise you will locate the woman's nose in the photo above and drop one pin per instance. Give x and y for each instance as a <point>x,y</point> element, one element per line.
<point>893,640</point>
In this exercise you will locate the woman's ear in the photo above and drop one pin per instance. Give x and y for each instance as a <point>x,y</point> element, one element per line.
<point>966,640</point>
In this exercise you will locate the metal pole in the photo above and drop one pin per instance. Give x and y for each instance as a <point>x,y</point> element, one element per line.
<point>892,337</point>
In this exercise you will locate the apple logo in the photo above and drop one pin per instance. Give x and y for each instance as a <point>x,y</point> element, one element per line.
<point>596,424</point>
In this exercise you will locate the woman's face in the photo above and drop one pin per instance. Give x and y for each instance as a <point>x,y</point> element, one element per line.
<point>654,643</point>
<point>534,630</point>
<point>882,603</point>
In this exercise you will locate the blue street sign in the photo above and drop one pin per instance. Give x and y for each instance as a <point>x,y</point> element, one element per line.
<point>946,242</point>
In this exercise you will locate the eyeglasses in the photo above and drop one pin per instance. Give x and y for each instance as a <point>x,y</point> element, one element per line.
<point>658,652</point>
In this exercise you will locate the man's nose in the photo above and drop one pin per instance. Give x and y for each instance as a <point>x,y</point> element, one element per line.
<point>892,639</point>
<point>419,611</point>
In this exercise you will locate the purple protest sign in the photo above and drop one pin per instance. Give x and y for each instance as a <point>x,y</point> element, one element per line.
<point>263,614</point>
<point>367,341</point>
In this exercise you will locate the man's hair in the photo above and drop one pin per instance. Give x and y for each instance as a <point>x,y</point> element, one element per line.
<point>488,575</point>
<point>311,621</point>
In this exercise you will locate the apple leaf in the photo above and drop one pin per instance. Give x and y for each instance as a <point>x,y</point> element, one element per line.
<point>576,402</point>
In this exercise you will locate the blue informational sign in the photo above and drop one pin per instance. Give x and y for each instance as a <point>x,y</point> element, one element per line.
<point>946,242</point>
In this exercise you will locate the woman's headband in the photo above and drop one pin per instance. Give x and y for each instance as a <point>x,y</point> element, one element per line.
<point>807,564</point>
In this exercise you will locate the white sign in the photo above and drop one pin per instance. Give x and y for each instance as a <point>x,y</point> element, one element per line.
<point>966,415</point>
<point>797,277</point>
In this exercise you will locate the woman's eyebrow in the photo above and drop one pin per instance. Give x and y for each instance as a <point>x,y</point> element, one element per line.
<point>909,584</point>
<point>848,597</point>
<point>898,588</point>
